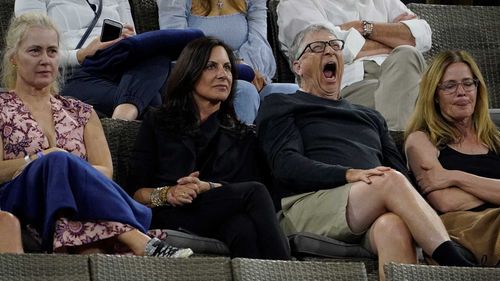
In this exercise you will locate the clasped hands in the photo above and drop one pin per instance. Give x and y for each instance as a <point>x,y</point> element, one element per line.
<point>187,189</point>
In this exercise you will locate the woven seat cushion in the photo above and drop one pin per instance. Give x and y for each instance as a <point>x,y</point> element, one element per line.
<point>495,116</point>
<point>397,272</point>
<point>145,15</point>
<point>6,13</point>
<point>109,268</point>
<point>273,270</point>
<point>29,267</point>
<point>470,28</point>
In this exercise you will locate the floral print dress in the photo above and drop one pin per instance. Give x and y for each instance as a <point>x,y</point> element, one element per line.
<point>21,136</point>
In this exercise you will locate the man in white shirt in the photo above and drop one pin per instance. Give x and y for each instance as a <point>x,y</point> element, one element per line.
<point>384,42</point>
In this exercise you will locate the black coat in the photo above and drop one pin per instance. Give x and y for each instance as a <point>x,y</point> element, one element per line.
<point>160,158</point>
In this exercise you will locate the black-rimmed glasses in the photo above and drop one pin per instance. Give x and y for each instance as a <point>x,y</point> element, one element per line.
<point>450,87</point>
<point>319,46</point>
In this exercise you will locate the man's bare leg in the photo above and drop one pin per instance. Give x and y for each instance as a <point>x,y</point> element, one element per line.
<point>391,240</point>
<point>392,192</point>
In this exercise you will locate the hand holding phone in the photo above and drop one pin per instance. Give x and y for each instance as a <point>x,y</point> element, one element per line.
<point>111,30</point>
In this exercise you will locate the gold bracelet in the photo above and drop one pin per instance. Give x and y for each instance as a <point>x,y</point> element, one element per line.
<point>164,193</point>
<point>158,196</point>
<point>154,198</point>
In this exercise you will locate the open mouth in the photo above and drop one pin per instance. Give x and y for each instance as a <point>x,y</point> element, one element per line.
<point>330,70</point>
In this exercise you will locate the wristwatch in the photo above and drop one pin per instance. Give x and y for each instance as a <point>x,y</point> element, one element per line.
<point>367,28</point>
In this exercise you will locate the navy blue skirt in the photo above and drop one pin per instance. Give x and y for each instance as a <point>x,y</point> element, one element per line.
<point>63,185</point>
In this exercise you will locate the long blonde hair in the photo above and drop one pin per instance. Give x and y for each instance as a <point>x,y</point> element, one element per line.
<point>16,33</point>
<point>203,7</point>
<point>428,118</point>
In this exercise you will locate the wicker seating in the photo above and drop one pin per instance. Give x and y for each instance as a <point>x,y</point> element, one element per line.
<point>30,267</point>
<point>121,136</point>
<point>267,270</point>
<point>470,28</point>
<point>400,272</point>
<point>283,72</point>
<point>371,265</point>
<point>5,14</point>
<point>145,14</point>
<point>109,268</point>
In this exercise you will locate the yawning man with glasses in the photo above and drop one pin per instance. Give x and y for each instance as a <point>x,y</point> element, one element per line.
<point>336,170</point>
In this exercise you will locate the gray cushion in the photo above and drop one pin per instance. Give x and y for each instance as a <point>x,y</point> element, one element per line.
<point>305,244</point>
<point>199,244</point>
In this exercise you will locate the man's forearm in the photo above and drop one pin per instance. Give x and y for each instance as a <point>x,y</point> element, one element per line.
<point>372,48</point>
<point>392,34</point>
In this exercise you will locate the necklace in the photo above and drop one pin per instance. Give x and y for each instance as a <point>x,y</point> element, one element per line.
<point>220,4</point>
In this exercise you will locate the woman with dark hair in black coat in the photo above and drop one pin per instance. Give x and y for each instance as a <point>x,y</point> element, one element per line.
<point>196,165</point>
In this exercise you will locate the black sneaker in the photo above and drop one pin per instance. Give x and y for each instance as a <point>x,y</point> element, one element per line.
<point>157,248</point>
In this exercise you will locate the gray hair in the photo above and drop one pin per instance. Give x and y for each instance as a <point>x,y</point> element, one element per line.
<point>298,42</point>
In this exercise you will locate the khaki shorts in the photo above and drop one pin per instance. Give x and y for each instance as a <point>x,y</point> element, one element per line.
<point>322,212</point>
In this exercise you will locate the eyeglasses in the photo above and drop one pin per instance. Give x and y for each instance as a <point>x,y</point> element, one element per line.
<point>450,87</point>
<point>319,46</point>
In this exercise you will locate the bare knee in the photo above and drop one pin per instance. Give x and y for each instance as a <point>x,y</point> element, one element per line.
<point>389,230</point>
<point>9,221</point>
<point>392,183</point>
<point>10,234</point>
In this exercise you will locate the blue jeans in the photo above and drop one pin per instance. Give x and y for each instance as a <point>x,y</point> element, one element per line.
<point>246,101</point>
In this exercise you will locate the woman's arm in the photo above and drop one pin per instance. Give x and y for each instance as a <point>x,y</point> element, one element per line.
<point>184,192</point>
<point>98,152</point>
<point>9,167</point>
<point>433,179</point>
<point>486,189</point>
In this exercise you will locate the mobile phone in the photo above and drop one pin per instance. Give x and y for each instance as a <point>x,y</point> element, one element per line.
<point>111,30</point>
